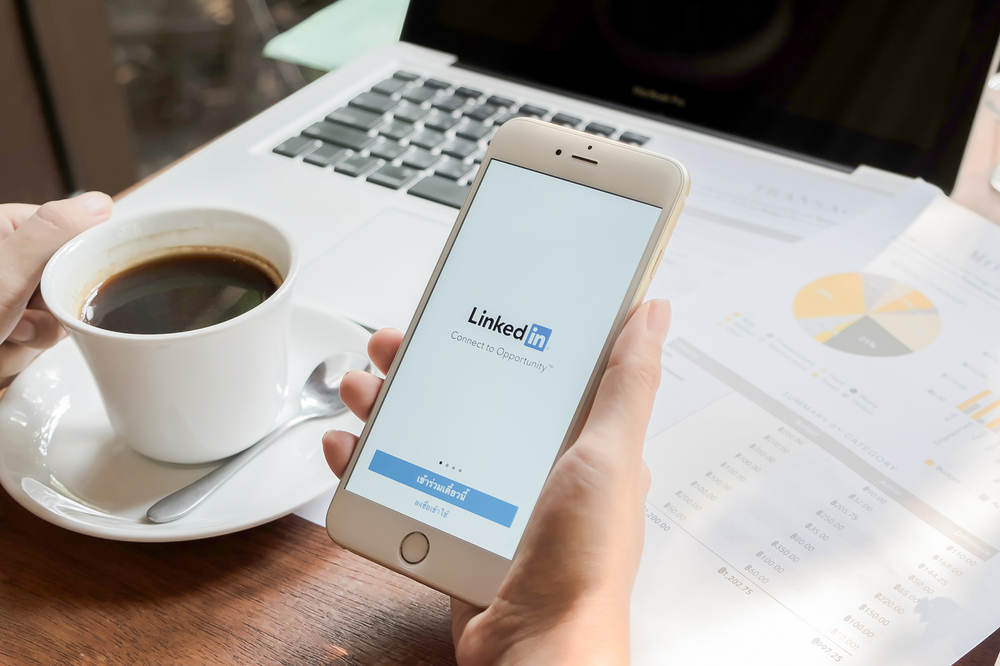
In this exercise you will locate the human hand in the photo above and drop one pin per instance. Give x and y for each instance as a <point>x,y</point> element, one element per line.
<point>29,236</point>
<point>566,598</point>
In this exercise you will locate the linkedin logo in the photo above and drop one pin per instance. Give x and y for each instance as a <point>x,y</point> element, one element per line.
<point>535,336</point>
<point>538,337</point>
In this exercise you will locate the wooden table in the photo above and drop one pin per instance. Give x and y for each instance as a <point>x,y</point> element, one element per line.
<point>277,594</point>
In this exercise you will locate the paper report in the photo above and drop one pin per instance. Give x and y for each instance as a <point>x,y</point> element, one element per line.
<point>743,208</point>
<point>825,452</point>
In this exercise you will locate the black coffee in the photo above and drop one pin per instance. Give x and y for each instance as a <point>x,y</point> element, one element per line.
<point>183,291</point>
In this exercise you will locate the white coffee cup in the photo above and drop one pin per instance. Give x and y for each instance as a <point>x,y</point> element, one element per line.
<point>193,396</point>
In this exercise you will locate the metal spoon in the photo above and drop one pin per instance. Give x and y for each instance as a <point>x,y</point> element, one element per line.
<point>320,398</point>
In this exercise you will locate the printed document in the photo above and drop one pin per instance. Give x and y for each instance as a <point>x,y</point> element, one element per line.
<point>825,452</point>
<point>744,209</point>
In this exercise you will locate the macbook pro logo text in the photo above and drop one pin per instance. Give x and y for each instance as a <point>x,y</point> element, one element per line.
<point>537,336</point>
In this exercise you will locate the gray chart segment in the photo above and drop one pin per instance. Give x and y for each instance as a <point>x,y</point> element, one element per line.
<point>866,338</point>
<point>903,497</point>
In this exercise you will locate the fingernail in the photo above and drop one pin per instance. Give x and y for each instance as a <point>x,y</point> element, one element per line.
<point>658,319</point>
<point>23,332</point>
<point>96,203</point>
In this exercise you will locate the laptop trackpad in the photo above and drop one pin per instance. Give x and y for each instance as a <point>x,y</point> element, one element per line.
<point>377,275</point>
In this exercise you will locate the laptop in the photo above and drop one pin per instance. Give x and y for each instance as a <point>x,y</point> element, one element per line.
<point>792,115</point>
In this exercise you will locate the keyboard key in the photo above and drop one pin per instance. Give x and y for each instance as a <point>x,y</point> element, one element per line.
<point>566,119</point>
<point>473,131</point>
<point>450,103</point>
<point>326,155</point>
<point>411,113</point>
<point>387,150</point>
<point>481,112</point>
<point>370,101</point>
<point>598,128</point>
<point>393,177</point>
<point>295,146</point>
<point>420,159</point>
<point>396,130</point>
<point>355,165</point>
<point>418,95</point>
<point>356,118</point>
<point>427,139</point>
<point>453,169</point>
<point>633,138</point>
<point>441,190</point>
<point>442,122</point>
<point>471,93</point>
<point>389,86</point>
<point>460,148</point>
<point>496,100</point>
<point>403,75</point>
<point>437,84</point>
<point>340,135</point>
<point>531,110</point>
<point>508,116</point>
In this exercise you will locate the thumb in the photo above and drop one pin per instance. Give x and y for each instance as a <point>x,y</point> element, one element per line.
<point>24,253</point>
<point>624,400</point>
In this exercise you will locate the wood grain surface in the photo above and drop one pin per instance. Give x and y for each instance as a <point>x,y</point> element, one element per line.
<point>281,593</point>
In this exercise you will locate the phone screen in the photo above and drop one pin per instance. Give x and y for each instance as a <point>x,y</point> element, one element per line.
<point>502,353</point>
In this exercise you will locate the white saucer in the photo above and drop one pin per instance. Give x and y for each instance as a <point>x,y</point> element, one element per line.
<point>60,459</point>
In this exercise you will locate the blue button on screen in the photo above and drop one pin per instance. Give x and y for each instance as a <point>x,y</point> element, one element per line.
<point>435,485</point>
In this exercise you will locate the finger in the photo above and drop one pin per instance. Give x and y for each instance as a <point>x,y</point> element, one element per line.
<point>461,614</point>
<point>358,390</point>
<point>338,447</point>
<point>624,400</point>
<point>37,329</point>
<point>382,347</point>
<point>14,215</point>
<point>23,253</point>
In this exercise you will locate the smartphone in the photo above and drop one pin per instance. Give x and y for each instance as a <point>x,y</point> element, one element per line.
<point>551,252</point>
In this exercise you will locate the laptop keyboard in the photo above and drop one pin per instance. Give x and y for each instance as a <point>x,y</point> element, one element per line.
<point>423,134</point>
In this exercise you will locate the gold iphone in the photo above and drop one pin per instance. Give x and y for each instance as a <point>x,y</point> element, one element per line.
<point>552,251</point>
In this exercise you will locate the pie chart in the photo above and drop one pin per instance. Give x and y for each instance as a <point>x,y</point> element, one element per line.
<point>867,314</point>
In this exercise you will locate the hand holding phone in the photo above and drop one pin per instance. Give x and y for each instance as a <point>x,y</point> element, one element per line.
<point>566,596</point>
<point>552,251</point>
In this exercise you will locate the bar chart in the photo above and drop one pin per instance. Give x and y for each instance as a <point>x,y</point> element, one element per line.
<point>983,408</point>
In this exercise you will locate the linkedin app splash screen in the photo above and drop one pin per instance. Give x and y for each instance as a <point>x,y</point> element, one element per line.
<point>501,356</point>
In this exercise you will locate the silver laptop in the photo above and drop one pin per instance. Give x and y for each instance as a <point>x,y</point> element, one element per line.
<point>791,115</point>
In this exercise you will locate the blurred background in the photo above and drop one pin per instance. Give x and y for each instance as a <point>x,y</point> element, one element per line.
<point>99,94</point>
<point>102,93</point>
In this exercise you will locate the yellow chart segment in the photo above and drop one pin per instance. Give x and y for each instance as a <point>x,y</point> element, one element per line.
<point>867,314</point>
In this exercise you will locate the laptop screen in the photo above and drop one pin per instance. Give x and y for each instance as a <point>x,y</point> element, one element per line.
<point>889,83</point>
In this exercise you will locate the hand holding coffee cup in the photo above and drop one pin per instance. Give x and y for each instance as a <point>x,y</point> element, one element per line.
<point>183,318</point>
<point>29,236</point>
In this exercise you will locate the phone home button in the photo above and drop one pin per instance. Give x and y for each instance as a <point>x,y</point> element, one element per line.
<point>414,548</point>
